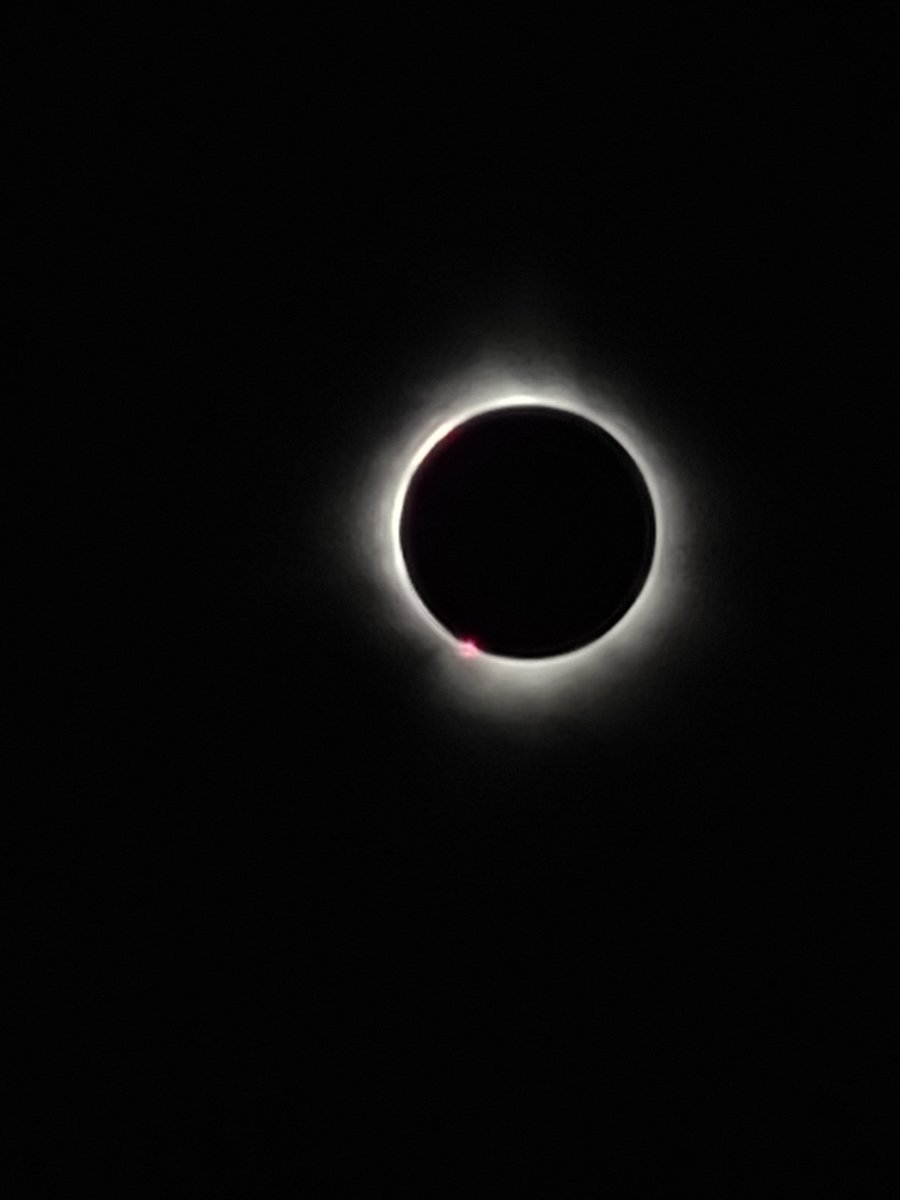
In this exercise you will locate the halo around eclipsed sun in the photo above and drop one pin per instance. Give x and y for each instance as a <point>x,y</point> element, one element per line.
<point>482,677</point>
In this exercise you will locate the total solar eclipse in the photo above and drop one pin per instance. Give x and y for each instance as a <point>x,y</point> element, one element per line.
<point>527,531</point>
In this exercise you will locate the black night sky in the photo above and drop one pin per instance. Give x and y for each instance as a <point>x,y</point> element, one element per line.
<point>294,915</point>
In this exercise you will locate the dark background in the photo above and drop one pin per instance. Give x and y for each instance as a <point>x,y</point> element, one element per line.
<point>287,914</point>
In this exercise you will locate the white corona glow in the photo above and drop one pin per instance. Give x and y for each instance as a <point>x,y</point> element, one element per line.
<point>477,678</point>
<point>437,435</point>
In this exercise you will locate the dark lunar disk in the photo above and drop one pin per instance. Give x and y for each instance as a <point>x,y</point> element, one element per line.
<point>528,531</point>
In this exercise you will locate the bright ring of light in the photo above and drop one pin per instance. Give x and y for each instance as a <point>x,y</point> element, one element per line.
<point>500,681</point>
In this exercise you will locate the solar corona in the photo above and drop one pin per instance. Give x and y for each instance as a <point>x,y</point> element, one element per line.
<point>528,546</point>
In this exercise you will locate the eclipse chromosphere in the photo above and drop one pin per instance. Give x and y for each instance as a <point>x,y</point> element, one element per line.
<point>527,532</point>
